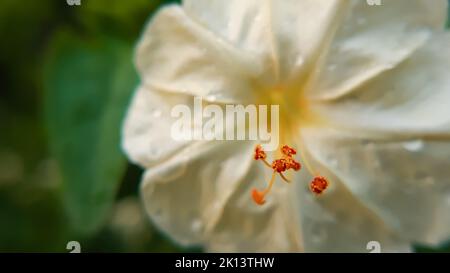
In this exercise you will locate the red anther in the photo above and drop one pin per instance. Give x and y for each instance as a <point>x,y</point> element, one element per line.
<point>259,153</point>
<point>296,166</point>
<point>318,185</point>
<point>279,165</point>
<point>288,151</point>
<point>292,164</point>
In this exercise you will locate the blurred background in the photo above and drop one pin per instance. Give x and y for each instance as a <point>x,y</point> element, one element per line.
<point>67,77</point>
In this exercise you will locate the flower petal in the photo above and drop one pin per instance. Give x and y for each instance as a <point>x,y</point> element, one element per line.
<point>202,196</point>
<point>244,24</point>
<point>336,221</point>
<point>284,34</point>
<point>411,99</point>
<point>176,54</point>
<point>301,28</point>
<point>146,135</point>
<point>373,39</point>
<point>185,194</point>
<point>245,226</point>
<point>407,184</point>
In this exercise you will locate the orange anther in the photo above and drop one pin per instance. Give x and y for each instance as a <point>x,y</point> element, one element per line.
<point>279,165</point>
<point>318,185</point>
<point>288,151</point>
<point>259,153</point>
<point>292,164</point>
<point>258,197</point>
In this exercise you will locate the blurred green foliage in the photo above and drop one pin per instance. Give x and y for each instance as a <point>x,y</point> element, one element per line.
<point>448,12</point>
<point>88,86</point>
<point>62,175</point>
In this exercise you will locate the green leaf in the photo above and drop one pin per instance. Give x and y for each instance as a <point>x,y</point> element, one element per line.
<point>87,89</point>
<point>448,15</point>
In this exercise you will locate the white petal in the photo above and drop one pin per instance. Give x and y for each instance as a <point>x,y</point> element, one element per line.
<point>336,221</point>
<point>177,54</point>
<point>407,184</point>
<point>284,34</point>
<point>246,227</point>
<point>373,39</point>
<point>203,196</point>
<point>409,99</point>
<point>301,28</point>
<point>244,24</point>
<point>146,135</point>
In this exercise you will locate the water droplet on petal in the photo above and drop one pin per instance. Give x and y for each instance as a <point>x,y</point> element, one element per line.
<point>156,113</point>
<point>216,206</point>
<point>390,65</point>
<point>428,181</point>
<point>447,200</point>
<point>368,144</point>
<point>332,67</point>
<point>157,213</point>
<point>318,235</point>
<point>299,61</point>
<point>196,225</point>
<point>332,161</point>
<point>211,98</point>
<point>154,152</point>
<point>413,146</point>
<point>361,21</point>
<point>258,19</point>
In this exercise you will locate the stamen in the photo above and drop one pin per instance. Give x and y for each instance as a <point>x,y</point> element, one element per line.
<point>284,178</point>
<point>259,153</point>
<point>258,196</point>
<point>279,166</point>
<point>292,164</point>
<point>288,151</point>
<point>266,163</point>
<point>318,185</point>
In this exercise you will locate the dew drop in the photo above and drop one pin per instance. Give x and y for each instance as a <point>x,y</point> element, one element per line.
<point>361,21</point>
<point>156,113</point>
<point>211,98</point>
<point>157,213</point>
<point>216,206</point>
<point>369,145</point>
<point>390,65</point>
<point>428,181</point>
<point>196,225</point>
<point>258,19</point>
<point>332,160</point>
<point>332,67</point>
<point>413,146</point>
<point>299,61</point>
<point>154,152</point>
<point>447,200</point>
<point>318,235</point>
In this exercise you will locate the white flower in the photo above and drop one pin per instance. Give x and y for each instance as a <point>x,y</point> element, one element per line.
<point>365,97</point>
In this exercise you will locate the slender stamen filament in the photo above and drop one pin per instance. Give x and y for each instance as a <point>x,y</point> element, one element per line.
<point>286,162</point>
<point>284,178</point>
<point>267,190</point>
<point>258,196</point>
<point>266,163</point>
